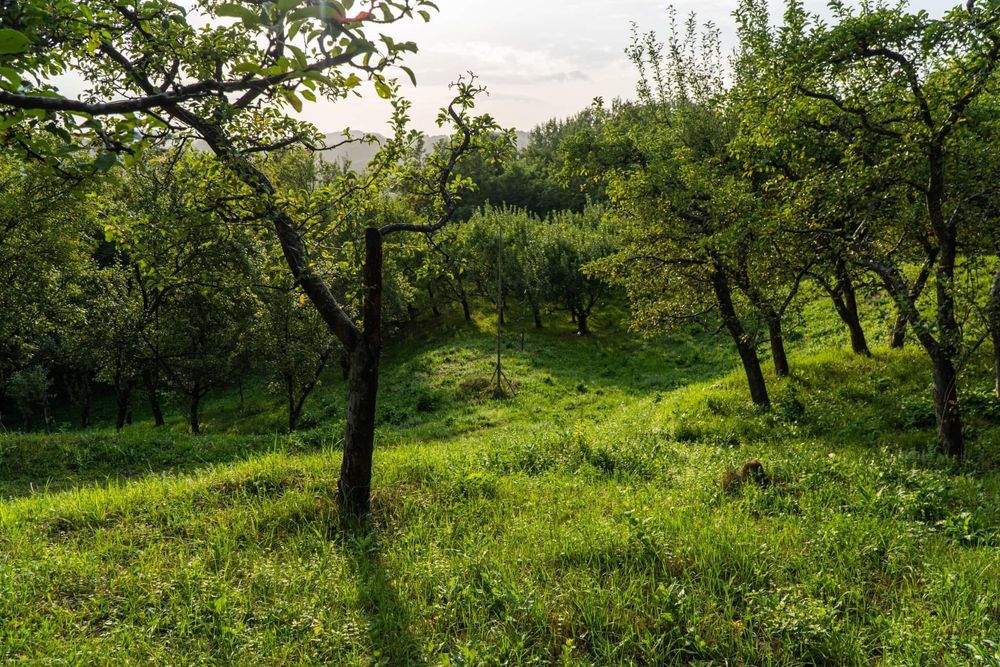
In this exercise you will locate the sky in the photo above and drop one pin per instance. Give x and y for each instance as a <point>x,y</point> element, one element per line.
<point>539,59</point>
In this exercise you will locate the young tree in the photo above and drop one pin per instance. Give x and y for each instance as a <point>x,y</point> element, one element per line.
<point>570,243</point>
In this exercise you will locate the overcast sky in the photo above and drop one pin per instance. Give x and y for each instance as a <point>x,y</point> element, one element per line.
<point>539,58</point>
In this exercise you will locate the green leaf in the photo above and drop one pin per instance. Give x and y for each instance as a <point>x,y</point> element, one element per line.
<point>248,16</point>
<point>294,100</point>
<point>11,75</point>
<point>13,41</point>
<point>328,10</point>
<point>247,68</point>
<point>409,73</point>
<point>383,89</point>
<point>105,161</point>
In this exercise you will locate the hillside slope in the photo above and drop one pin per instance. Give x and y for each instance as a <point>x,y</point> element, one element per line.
<point>581,522</point>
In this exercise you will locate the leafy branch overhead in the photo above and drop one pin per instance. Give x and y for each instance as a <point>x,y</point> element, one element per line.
<point>232,63</point>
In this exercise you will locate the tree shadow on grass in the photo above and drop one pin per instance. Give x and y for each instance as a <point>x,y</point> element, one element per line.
<point>389,619</point>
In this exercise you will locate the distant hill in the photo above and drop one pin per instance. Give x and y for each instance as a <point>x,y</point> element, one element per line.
<point>360,153</point>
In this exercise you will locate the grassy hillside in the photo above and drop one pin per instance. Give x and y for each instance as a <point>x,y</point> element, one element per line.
<point>581,522</point>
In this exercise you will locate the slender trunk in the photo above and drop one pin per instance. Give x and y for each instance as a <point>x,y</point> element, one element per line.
<point>994,317</point>
<point>293,413</point>
<point>434,304</point>
<point>946,407</point>
<point>124,393</point>
<point>466,311</point>
<point>154,397</point>
<point>85,402</point>
<point>354,486</point>
<point>85,412</point>
<point>193,410</point>
<point>47,413</point>
<point>845,300</point>
<point>897,338</point>
<point>536,313</point>
<point>747,352</point>
<point>777,345</point>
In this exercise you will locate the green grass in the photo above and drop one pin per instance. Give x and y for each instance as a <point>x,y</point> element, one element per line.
<point>580,522</point>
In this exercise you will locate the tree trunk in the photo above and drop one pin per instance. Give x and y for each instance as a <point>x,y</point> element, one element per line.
<point>747,352</point>
<point>946,405</point>
<point>293,412</point>
<point>193,410</point>
<point>124,393</point>
<point>845,300</point>
<point>536,313</point>
<point>345,364</point>
<point>85,402</point>
<point>154,397</point>
<point>994,317</point>
<point>354,486</point>
<point>47,412</point>
<point>946,408</point>
<point>466,311</point>
<point>434,304</point>
<point>897,338</point>
<point>581,324</point>
<point>777,345</point>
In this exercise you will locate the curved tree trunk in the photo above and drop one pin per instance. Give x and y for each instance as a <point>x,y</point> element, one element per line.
<point>898,337</point>
<point>747,352</point>
<point>777,336</point>
<point>845,300</point>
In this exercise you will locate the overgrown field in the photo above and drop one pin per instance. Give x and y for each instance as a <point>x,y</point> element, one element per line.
<point>581,522</point>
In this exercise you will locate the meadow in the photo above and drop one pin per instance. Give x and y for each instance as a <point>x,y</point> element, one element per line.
<point>581,522</point>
